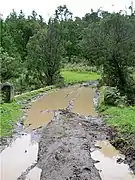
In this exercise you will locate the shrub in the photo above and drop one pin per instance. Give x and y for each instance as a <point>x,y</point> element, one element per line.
<point>112,97</point>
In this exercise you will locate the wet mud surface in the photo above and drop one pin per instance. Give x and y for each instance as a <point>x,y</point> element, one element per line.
<point>64,148</point>
<point>57,139</point>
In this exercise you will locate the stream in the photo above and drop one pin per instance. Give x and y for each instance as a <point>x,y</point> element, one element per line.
<point>18,161</point>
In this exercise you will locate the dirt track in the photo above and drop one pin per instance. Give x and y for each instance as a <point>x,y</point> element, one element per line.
<point>67,141</point>
<point>65,147</point>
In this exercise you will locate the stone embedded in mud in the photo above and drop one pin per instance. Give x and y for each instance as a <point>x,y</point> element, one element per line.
<point>96,161</point>
<point>98,147</point>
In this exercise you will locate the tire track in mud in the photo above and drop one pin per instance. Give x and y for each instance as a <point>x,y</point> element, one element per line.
<point>55,115</point>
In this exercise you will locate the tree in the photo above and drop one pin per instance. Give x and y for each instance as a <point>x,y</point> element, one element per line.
<point>112,40</point>
<point>62,13</point>
<point>21,29</point>
<point>9,67</point>
<point>45,50</point>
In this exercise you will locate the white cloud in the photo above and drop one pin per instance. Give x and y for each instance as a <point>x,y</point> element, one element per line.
<point>47,7</point>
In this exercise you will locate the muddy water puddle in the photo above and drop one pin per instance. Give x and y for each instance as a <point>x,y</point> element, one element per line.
<point>84,102</point>
<point>81,98</point>
<point>34,174</point>
<point>108,166</point>
<point>16,158</point>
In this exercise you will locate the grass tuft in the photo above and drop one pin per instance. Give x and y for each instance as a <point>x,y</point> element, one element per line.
<point>10,113</point>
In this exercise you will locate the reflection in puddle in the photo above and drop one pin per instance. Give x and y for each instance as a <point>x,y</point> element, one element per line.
<point>111,170</point>
<point>16,158</point>
<point>34,174</point>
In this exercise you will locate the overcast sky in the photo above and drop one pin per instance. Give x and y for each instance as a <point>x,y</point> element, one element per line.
<point>47,7</point>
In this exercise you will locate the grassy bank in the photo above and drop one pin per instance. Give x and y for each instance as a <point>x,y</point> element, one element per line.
<point>123,118</point>
<point>71,77</point>
<point>11,112</point>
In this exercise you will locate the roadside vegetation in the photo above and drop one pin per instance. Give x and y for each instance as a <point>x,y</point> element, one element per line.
<point>116,112</point>
<point>10,112</point>
<point>122,118</point>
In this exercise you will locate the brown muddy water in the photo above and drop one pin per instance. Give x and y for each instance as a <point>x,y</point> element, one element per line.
<point>16,158</point>
<point>108,166</point>
<point>34,174</point>
<point>41,110</point>
<point>22,153</point>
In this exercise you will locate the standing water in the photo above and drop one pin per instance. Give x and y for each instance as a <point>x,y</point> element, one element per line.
<point>83,104</point>
<point>22,153</point>
<point>18,157</point>
<point>109,168</point>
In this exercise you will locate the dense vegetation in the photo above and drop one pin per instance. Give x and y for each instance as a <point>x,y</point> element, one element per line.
<point>33,51</point>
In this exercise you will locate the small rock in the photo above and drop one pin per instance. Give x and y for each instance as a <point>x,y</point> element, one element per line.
<point>119,160</point>
<point>25,151</point>
<point>96,161</point>
<point>98,147</point>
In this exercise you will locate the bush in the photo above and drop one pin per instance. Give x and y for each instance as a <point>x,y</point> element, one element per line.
<point>60,82</point>
<point>79,67</point>
<point>112,97</point>
<point>130,91</point>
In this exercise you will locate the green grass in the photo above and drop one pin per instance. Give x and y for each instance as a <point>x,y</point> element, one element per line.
<point>31,94</point>
<point>10,112</point>
<point>123,118</point>
<point>71,77</point>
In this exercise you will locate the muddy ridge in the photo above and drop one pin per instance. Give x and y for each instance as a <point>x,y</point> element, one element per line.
<point>126,144</point>
<point>65,147</point>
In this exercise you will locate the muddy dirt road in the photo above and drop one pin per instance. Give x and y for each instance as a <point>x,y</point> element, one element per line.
<point>60,144</point>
